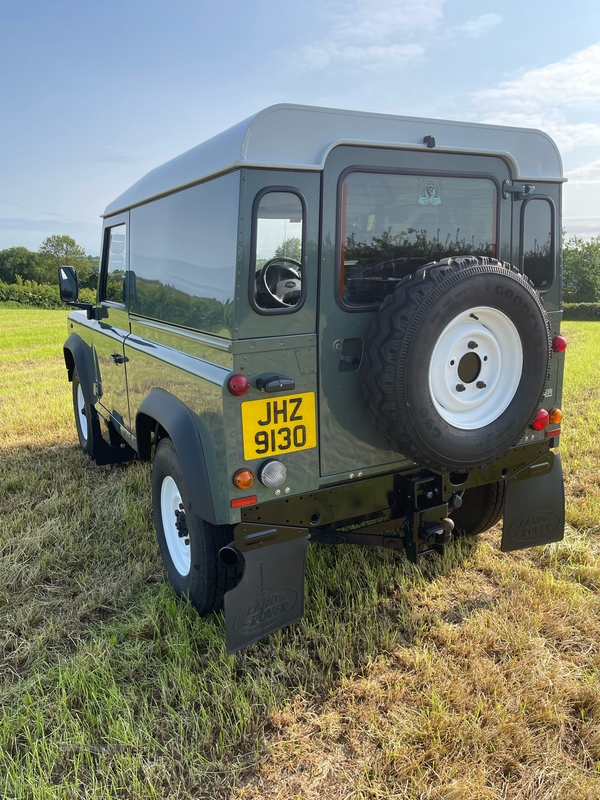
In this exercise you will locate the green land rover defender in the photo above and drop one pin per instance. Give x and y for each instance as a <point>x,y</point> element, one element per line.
<point>330,326</point>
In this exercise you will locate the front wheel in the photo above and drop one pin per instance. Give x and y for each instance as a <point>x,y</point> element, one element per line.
<point>86,419</point>
<point>189,545</point>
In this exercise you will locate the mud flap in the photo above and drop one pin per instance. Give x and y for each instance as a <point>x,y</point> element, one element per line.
<point>270,596</point>
<point>534,509</point>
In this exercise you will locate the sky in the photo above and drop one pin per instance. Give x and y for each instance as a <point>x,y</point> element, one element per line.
<point>95,94</point>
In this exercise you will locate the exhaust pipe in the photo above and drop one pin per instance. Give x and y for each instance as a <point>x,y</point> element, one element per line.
<point>230,555</point>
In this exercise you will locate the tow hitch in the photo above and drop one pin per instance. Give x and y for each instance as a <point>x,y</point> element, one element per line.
<point>427,527</point>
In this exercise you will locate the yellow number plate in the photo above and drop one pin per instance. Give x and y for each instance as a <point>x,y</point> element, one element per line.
<point>279,425</point>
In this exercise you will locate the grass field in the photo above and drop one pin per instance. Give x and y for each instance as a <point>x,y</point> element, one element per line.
<point>474,677</point>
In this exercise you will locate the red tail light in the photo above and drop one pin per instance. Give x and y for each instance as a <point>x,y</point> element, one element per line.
<point>238,385</point>
<point>541,420</point>
<point>559,344</point>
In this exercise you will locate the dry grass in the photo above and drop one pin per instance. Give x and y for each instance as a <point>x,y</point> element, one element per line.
<point>474,677</point>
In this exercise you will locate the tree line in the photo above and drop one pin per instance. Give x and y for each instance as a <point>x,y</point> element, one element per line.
<point>18,264</point>
<point>581,265</point>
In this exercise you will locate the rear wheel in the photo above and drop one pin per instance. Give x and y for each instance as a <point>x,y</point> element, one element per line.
<point>188,544</point>
<point>482,507</point>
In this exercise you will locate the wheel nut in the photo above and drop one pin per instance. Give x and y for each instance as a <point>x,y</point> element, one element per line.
<point>472,345</point>
<point>460,387</point>
<point>481,385</point>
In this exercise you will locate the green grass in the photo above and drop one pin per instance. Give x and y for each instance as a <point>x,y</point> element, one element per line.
<point>475,676</point>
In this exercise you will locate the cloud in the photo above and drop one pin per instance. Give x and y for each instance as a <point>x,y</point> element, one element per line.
<point>547,98</point>
<point>380,34</point>
<point>371,35</point>
<point>567,135</point>
<point>581,207</point>
<point>571,83</point>
<point>381,19</point>
<point>588,174</point>
<point>474,28</point>
<point>586,227</point>
<point>375,57</point>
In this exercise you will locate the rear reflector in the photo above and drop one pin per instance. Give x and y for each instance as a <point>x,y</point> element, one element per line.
<point>550,434</point>
<point>243,501</point>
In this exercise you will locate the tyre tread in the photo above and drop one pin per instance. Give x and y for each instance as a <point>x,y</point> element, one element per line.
<point>387,350</point>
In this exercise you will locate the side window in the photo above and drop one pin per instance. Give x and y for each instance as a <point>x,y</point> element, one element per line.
<point>276,285</point>
<point>537,242</point>
<point>115,264</point>
<point>182,260</point>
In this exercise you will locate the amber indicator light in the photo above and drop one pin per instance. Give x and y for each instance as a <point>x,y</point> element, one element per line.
<point>243,479</point>
<point>238,385</point>
<point>238,502</point>
<point>554,416</point>
<point>559,344</point>
<point>540,420</point>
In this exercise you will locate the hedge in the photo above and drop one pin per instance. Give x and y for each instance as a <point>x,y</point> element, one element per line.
<point>40,295</point>
<point>582,311</point>
<point>45,295</point>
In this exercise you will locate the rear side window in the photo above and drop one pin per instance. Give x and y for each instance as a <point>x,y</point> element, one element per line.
<point>537,242</point>
<point>392,224</point>
<point>276,284</point>
<point>183,256</point>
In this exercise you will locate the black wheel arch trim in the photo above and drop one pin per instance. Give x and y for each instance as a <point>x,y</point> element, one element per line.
<point>164,409</point>
<point>79,355</point>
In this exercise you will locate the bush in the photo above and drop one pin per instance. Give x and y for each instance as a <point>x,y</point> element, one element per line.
<point>40,295</point>
<point>582,311</point>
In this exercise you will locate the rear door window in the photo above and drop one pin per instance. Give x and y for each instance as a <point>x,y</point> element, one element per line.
<point>392,224</point>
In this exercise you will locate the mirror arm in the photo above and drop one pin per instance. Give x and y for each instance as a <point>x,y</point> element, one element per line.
<point>88,307</point>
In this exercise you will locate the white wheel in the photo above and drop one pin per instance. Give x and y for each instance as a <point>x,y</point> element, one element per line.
<point>83,421</point>
<point>171,508</point>
<point>192,561</point>
<point>475,368</point>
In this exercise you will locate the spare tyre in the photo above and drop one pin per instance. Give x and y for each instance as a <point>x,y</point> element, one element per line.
<point>457,361</point>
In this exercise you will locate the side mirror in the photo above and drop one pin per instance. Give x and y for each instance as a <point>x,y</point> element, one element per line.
<point>68,284</point>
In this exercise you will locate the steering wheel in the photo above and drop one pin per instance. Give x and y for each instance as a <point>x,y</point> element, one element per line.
<point>282,280</point>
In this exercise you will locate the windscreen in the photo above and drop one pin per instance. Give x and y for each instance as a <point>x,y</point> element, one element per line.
<point>394,223</point>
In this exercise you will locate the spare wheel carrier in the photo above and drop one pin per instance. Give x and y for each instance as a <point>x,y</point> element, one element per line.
<point>457,361</point>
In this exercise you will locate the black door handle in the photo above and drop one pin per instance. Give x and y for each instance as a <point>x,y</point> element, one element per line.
<point>118,358</point>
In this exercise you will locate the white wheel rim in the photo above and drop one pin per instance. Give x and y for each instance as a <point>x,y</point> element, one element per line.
<point>83,423</point>
<point>475,368</point>
<point>170,502</point>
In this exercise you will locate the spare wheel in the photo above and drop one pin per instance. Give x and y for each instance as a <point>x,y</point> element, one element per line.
<point>457,361</point>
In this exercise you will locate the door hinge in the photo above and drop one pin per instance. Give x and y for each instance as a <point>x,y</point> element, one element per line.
<point>519,190</point>
<point>98,389</point>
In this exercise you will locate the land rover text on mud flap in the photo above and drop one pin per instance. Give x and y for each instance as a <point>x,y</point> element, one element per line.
<point>330,326</point>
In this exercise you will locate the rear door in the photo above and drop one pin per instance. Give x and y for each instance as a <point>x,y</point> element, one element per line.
<point>385,213</point>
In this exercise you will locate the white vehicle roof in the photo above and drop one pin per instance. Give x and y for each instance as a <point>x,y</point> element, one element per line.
<point>289,136</point>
